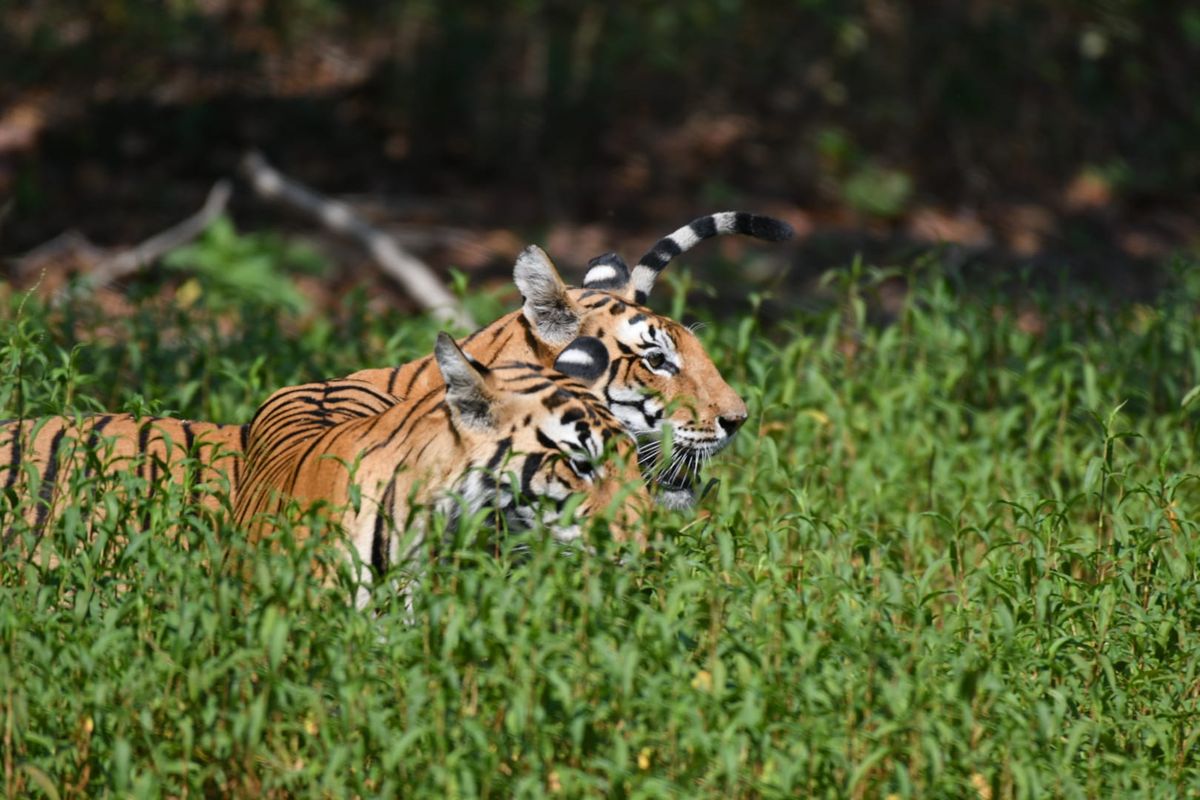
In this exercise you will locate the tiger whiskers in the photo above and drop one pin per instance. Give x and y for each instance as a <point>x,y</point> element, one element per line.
<point>683,467</point>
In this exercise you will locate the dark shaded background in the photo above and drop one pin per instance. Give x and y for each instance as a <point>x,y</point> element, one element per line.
<point>1053,136</point>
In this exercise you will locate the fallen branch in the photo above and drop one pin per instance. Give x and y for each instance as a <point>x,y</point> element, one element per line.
<point>414,275</point>
<point>113,268</point>
<point>68,245</point>
<point>157,246</point>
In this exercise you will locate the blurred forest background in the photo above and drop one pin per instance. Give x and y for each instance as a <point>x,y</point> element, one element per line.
<point>1046,137</point>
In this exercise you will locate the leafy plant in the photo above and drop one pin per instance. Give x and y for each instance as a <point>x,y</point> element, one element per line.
<point>235,268</point>
<point>956,560</point>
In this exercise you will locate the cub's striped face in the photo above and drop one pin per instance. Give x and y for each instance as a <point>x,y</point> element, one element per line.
<point>659,376</point>
<point>566,451</point>
<point>550,437</point>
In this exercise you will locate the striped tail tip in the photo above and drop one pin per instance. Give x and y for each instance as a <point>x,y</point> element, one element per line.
<point>761,227</point>
<point>744,223</point>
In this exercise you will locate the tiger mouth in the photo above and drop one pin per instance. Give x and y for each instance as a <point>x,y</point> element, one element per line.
<point>680,476</point>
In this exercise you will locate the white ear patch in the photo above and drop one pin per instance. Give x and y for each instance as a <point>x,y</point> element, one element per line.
<point>576,357</point>
<point>607,271</point>
<point>604,272</point>
<point>585,359</point>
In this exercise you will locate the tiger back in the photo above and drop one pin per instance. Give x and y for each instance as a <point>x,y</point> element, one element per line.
<point>44,457</point>
<point>516,438</point>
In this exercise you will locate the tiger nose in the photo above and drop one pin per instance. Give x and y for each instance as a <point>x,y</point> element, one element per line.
<point>731,422</point>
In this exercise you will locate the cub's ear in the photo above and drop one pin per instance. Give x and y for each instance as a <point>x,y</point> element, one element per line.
<point>608,271</point>
<point>584,359</point>
<point>554,316</point>
<point>467,393</point>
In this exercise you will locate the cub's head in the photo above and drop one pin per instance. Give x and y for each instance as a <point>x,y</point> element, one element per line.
<point>657,373</point>
<point>540,435</point>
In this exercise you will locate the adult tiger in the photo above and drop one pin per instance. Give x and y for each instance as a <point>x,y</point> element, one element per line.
<point>519,438</point>
<point>659,373</point>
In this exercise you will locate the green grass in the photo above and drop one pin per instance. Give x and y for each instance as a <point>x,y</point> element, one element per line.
<point>947,558</point>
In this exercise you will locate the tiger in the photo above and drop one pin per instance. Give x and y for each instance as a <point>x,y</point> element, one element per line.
<point>659,373</point>
<point>516,438</point>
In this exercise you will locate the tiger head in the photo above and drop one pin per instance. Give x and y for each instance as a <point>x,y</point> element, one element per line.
<point>536,436</point>
<point>658,373</point>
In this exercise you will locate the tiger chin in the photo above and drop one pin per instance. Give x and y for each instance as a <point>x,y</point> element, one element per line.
<point>678,484</point>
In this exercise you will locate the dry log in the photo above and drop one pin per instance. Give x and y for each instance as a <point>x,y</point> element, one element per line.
<point>413,275</point>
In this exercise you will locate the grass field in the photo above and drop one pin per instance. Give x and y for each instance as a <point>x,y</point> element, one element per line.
<point>953,555</point>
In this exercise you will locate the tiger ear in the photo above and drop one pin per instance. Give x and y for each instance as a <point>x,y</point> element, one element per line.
<point>584,359</point>
<point>552,312</point>
<point>467,393</point>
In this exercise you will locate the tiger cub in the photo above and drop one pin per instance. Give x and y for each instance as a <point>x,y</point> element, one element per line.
<point>517,438</point>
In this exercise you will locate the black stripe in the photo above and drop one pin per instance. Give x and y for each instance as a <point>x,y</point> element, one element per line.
<point>704,227</point>
<point>532,463</point>
<point>154,467</point>
<point>14,457</point>
<point>502,449</point>
<point>392,380</point>
<point>661,255</point>
<point>416,374</point>
<point>399,427</point>
<point>46,490</point>
<point>191,463</point>
<point>272,401</point>
<point>379,537</point>
<point>500,347</point>
<point>143,438</point>
<point>655,259</point>
<point>530,340</point>
<point>93,441</point>
<point>556,399</point>
<point>235,480</point>
<point>338,389</point>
